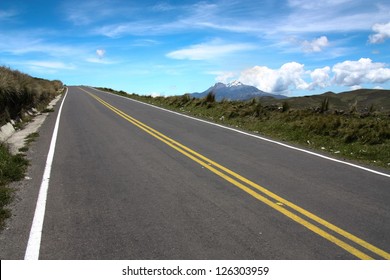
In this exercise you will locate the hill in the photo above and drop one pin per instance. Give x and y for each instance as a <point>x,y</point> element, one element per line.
<point>357,100</point>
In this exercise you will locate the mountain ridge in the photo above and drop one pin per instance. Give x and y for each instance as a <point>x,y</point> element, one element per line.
<point>235,91</point>
<point>361,99</point>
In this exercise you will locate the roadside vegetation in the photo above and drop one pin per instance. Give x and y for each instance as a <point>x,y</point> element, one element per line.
<point>12,168</point>
<point>351,131</point>
<point>19,94</point>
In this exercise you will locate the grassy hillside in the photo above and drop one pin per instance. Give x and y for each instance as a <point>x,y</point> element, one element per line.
<point>20,92</point>
<point>362,100</point>
<point>315,122</point>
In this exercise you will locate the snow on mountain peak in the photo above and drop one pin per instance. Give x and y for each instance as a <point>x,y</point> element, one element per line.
<point>235,84</point>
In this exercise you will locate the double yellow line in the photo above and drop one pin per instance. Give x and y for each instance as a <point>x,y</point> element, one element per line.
<point>269,198</point>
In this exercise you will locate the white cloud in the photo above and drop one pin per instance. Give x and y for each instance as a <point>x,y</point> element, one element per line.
<point>87,12</point>
<point>207,51</point>
<point>100,53</point>
<point>99,61</point>
<point>292,75</point>
<point>140,28</point>
<point>117,30</point>
<point>382,32</point>
<point>315,5</point>
<point>163,7</point>
<point>320,78</point>
<point>155,94</point>
<point>50,64</point>
<point>144,43</point>
<point>316,45</point>
<point>42,66</point>
<point>23,43</point>
<point>327,16</point>
<point>223,76</point>
<point>352,73</point>
<point>100,58</point>
<point>356,87</point>
<point>289,76</point>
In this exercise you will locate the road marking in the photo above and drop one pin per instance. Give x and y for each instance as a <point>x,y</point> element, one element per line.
<point>34,240</point>
<point>255,136</point>
<point>224,173</point>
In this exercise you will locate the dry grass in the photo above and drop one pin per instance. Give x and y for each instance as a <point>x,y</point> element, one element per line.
<point>20,92</point>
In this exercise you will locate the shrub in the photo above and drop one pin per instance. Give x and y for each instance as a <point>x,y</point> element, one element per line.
<point>12,168</point>
<point>20,92</point>
<point>210,98</point>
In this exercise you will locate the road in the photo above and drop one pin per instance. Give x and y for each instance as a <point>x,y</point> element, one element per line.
<point>130,181</point>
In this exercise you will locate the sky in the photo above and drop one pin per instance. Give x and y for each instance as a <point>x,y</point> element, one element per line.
<point>291,47</point>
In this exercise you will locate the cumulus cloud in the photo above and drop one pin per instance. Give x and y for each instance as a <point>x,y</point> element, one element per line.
<point>382,32</point>
<point>353,73</point>
<point>292,76</point>
<point>223,77</point>
<point>289,76</point>
<point>316,45</point>
<point>210,50</point>
<point>155,94</point>
<point>356,87</point>
<point>320,78</point>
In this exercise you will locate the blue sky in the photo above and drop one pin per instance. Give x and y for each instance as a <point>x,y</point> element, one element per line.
<point>294,47</point>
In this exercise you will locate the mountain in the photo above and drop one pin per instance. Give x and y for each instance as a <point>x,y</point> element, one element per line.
<point>235,91</point>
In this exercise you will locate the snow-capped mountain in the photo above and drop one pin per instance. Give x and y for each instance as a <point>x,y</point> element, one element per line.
<point>235,84</point>
<point>235,91</point>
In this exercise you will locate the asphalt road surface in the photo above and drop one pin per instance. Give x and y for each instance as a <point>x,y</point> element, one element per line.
<point>130,181</point>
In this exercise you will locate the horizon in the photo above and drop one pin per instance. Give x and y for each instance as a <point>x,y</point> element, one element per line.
<point>290,47</point>
<point>287,97</point>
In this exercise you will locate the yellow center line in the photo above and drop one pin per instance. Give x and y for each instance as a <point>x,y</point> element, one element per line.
<point>211,165</point>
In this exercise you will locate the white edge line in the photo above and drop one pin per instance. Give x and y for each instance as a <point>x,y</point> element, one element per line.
<point>255,136</point>
<point>34,240</point>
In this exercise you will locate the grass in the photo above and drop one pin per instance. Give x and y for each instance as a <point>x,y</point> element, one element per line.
<point>31,138</point>
<point>28,140</point>
<point>47,110</point>
<point>363,136</point>
<point>12,168</point>
<point>20,92</point>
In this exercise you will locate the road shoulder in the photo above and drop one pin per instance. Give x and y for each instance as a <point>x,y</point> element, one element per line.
<point>13,239</point>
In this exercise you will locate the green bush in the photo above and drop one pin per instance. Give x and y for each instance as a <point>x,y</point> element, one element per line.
<point>12,168</point>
